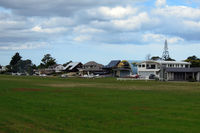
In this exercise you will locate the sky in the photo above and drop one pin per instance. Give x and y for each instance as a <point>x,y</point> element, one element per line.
<point>98,30</point>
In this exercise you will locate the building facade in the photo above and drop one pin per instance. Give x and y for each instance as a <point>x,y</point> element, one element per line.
<point>91,68</point>
<point>150,67</point>
<point>182,74</point>
<point>125,68</point>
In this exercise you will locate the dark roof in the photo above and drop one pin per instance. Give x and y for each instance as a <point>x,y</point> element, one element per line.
<point>112,64</point>
<point>92,66</point>
<point>90,69</point>
<point>197,69</point>
<point>122,69</point>
<point>93,63</point>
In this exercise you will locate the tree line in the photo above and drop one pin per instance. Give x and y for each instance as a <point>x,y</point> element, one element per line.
<point>26,66</point>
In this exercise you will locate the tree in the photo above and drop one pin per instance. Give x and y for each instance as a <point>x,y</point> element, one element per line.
<point>8,68</point>
<point>34,66</point>
<point>156,58</point>
<point>41,66</point>
<point>47,61</point>
<point>15,59</point>
<point>25,66</point>
<point>195,61</point>
<point>170,59</point>
<point>192,58</point>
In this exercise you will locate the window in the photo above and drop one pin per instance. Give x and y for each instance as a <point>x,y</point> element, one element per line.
<point>153,66</point>
<point>143,65</point>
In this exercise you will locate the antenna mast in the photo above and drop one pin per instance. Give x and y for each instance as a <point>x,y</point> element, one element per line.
<point>165,54</point>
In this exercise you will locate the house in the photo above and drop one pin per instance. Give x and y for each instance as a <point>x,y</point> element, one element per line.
<point>2,68</point>
<point>73,67</point>
<point>157,68</point>
<point>58,68</point>
<point>91,68</point>
<point>112,65</point>
<point>47,71</point>
<point>181,74</point>
<point>125,69</point>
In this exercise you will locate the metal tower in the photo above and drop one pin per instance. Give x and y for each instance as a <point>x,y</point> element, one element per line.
<point>165,54</point>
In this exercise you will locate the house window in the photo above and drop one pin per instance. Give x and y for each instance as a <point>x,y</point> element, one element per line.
<point>139,65</point>
<point>143,65</point>
<point>153,66</point>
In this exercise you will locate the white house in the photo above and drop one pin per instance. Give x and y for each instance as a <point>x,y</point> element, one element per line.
<point>2,68</point>
<point>146,68</point>
<point>59,68</point>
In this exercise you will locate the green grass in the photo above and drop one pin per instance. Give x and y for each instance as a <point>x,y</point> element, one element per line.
<point>55,105</point>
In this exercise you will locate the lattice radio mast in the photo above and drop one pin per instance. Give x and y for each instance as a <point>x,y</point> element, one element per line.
<point>165,54</point>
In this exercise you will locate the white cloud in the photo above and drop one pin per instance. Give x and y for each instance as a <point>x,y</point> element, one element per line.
<point>103,23</point>
<point>132,23</point>
<point>58,21</point>
<point>117,12</point>
<point>159,38</point>
<point>178,11</point>
<point>192,25</point>
<point>82,38</point>
<point>59,7</point>
<point>48,30</point>
<point>32,45</point>
<point>87,29</point>
<point>160,3</point>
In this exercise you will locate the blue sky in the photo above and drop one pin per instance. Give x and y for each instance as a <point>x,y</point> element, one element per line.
<point>85,30</point>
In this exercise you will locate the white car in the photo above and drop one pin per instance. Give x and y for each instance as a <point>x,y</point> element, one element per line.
<point>42,75</point>
<point>63,76</point>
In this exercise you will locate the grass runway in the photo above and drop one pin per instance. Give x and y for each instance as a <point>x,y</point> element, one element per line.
<point>75,105</point>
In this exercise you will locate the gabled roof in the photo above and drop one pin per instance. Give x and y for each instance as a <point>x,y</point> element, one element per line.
<point>112,64</point>
<point>93,63</point>
<point>72,65</point>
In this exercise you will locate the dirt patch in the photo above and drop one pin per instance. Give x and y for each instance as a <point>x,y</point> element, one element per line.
<point>96,85</point>
<point>69,85</point>
<point>156,87</point>
<point>25,89</point>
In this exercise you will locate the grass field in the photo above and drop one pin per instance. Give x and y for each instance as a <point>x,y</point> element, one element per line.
<point>55,105</point>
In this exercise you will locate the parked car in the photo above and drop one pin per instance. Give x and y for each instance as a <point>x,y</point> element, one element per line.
<point>63,75</point>
<point>134,76</point>
<point>42,75</point>
<point>152,76</point>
